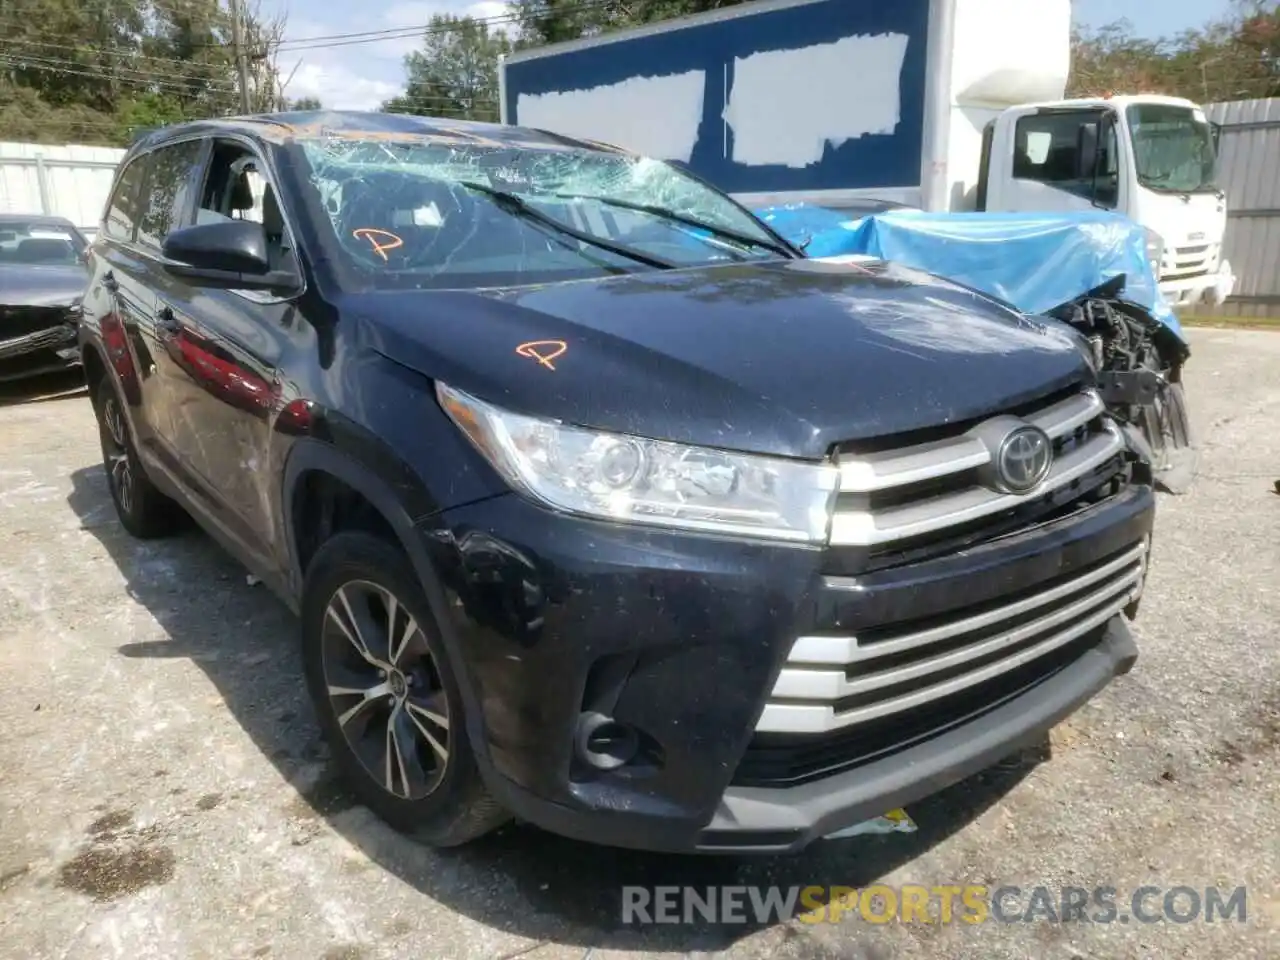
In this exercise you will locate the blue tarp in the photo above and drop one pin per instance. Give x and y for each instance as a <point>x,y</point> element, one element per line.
<point>1034,261</point>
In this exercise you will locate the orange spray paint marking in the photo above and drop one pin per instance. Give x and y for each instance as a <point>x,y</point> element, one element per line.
<point>544,351</point>
<point>380,247</point>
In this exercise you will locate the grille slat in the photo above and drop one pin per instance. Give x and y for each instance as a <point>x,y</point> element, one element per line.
<point>901,494</point>
<point>914,666</point>
<point>820,651</point>
<point>20,321</point>
<point>870,472</point>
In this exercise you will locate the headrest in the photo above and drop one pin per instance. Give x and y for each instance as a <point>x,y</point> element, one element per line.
<point>241,193</point>
<point>272,218</point>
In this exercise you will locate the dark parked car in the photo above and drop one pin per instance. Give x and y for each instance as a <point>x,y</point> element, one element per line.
<point>42,278</point>
<point>601,505</point>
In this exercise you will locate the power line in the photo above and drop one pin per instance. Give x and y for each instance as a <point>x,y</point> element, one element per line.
<point>119,73</point>
<point>427,29</point>
<point>143,81</point>
<point>122,52</point>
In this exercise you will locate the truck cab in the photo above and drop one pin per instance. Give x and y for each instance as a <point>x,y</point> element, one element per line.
<point>1151,158</point>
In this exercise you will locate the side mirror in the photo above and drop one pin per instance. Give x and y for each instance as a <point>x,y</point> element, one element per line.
<point>230,255</point>
<point>1216,131</point>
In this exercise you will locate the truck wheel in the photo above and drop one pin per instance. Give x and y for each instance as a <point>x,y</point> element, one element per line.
<point>143,510</point>
<point>387,700</point>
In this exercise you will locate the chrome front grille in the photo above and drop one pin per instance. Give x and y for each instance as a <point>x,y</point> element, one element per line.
<point>1187,261</point>
<point>834,682</point>
<point>926,489</point>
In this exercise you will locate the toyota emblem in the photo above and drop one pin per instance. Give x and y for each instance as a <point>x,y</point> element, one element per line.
<point>1023,459</point>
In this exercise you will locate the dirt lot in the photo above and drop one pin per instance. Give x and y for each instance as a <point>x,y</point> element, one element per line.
<point>163,792</point>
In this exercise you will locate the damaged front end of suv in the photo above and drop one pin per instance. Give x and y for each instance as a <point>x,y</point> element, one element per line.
<point>42,281</point>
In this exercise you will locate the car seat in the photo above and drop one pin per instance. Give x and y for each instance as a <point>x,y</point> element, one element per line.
<point>273,227</point>
<point>36,250</point>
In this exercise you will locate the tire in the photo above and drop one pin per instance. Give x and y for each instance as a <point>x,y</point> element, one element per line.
<point>143,510</point>
<point>427,787</point>
<point>1153,431</point>
<point>1178,420</point>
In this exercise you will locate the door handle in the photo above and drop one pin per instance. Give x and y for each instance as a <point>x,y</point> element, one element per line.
<point>109,281</point>
<point>166,322</point>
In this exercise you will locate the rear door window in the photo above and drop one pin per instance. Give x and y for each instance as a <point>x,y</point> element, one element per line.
<point>169,203</point>
<point>122,209</point>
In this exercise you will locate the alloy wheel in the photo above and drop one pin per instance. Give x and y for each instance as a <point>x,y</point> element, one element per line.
<point>119,469</point>
<point>385,690</point>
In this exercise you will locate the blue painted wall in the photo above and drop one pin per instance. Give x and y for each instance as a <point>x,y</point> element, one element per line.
<point>871,161</point>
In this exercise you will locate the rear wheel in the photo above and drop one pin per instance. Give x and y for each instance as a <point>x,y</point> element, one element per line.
<point>143,510</point>
<point>386,697</point>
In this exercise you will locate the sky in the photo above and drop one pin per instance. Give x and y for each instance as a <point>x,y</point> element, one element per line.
<point>361,76</point>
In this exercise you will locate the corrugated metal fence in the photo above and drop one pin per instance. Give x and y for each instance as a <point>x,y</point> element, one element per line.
<point>1249,172</point>
<point>70,181</point>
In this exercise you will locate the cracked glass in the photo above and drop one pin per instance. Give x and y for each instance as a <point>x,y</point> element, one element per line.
<point>424,212</point>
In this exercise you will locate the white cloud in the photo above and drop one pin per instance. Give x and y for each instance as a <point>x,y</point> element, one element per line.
<point>338,87</point>
<point>360,76</point>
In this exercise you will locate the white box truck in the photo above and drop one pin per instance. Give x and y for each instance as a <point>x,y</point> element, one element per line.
<point>938,104</point>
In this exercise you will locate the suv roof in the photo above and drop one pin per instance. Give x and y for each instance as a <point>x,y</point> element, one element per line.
<point>285,126</point>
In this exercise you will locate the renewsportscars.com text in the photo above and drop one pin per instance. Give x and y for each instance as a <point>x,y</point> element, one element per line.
<point>964,903</point>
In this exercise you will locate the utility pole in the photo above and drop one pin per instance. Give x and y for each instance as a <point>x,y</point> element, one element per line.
<point>237,46</point>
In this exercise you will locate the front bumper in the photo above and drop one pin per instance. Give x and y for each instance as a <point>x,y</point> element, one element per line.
<point>782,820</point>
<point>682,638</point>
<point>42,351</point>
<point>1213,288</point>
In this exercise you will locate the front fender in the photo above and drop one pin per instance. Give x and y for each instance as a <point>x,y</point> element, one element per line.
<point>316,455</point>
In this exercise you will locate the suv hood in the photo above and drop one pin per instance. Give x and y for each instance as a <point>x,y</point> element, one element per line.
<point>37,285</point>
<point>785,357</point>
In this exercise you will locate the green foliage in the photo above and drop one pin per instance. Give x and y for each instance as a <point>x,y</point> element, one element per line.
<point>94,71</point>
<point>304,103</point>
<point>455,74</point>
<point>551,21</point>
<point>1236,58</point>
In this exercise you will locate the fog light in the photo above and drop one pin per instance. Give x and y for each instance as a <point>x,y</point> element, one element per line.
<point>603,743</point>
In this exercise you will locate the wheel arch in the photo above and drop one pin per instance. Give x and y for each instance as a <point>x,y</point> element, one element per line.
<point>94,365</point>
<point>310,459</point>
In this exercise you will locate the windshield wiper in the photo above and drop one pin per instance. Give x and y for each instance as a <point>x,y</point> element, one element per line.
<point>724,233</point>
<point>517,207</point>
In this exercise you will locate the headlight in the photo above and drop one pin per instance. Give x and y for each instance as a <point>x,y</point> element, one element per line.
<point>1155,251</point>
<point>631,479</point>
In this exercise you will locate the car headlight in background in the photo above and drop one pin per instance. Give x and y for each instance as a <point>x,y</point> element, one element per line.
<point>1155,251</point>
<point>631,479</point>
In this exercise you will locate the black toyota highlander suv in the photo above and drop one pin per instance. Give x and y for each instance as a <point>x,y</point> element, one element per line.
<point>601,505</point>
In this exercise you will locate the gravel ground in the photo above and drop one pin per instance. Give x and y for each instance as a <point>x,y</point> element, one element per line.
<point>163,792</point>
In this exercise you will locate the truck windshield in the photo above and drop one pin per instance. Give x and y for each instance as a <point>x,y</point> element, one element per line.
<point>1173,148</point>
<point>430,212</point>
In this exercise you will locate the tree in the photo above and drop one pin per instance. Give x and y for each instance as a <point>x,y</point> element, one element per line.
<point>455,74</point>
<point>304,103</point>
<point>96,71</point>
<point>1235,58</point>
<point>551,21</point>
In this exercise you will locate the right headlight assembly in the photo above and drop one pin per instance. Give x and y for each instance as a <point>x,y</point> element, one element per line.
<point>636,480</point>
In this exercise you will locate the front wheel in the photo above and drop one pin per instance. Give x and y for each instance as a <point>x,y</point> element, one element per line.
<point>385,695</point>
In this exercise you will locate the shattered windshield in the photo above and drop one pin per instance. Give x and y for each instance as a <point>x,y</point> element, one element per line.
<point>426,212</point>
<point>1173,148</point>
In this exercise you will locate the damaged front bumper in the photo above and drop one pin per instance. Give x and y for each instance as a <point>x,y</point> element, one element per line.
<point>38,340</point>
